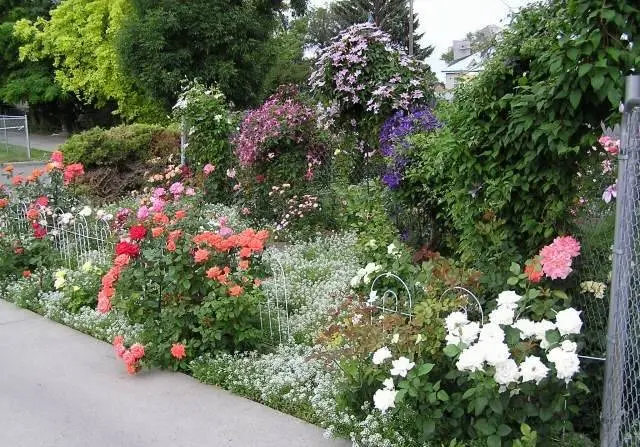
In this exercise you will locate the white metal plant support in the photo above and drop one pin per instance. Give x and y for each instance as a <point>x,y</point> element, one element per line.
<point>274,311</point>
<point>382,302</point>
<point>466,293</point>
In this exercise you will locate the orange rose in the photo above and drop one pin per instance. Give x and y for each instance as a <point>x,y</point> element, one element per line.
<point>235,290</point>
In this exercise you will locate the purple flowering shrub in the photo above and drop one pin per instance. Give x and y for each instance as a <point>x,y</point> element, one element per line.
<point>394,140</point>
<point>362,76</point>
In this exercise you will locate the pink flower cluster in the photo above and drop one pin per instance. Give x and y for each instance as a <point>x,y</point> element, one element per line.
<point>610,145</point>
<point>556,258</point>
<point>282,116</point>
<point>131,356</point>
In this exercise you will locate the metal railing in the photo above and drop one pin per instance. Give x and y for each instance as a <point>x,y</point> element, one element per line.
<point>14,132</point>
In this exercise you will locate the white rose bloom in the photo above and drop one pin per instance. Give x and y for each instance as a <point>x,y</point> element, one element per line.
<point>492,332</point>
<point>452,339</point>
<point>569,346</point>
<point>471,359</point>
<point>495,353</point>
<point>507,372</point>
<point>508,298</point>
<point>401,367</point>
<point>86,211</point>
<point>541,329</point>
<point>527,328</point>
<point>454,321</point>
<point>388,384</point>
<point>381,355</point>
<point>384,399</point>
<point>532,369</point>
<point>502,315</point>
<point>567,363</point>
<point>392,249</point>
<point>469,333</point>
<point>568,321</point>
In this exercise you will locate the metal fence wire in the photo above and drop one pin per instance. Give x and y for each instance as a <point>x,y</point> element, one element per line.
<point>14,134</point>
<point>621,401</point>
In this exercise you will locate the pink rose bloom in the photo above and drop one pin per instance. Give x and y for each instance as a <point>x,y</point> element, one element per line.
<point>178,351</point>
<point>208,168</point>
<point>225,231</point>
<point>104,305</point>
<point>119,350</point>
<point>158,205</point>
<point>176,189</point>
<point>568,244</point>
<point>190,192</point>
<point>556,263</point>
<point>159,192</point>
<point>137,350</point>
<point>128,358</point>
<point>143,212</point>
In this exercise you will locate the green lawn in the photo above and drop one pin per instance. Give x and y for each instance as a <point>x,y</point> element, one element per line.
<point>13,153</point>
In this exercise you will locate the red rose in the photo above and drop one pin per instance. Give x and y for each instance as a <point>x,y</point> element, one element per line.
<point>137,232</point>
<point>127,248</point>
<point>26,274</point>
<point>39,231</point>
<point>260,178</point>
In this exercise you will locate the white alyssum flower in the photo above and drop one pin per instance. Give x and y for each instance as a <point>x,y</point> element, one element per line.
<point>495,353</point>
<point>384,399</point>
<point>472,358</point>
<point>532,369</point>
<point>401,367</point>
<point>455,320</point>
<point>568,321</point>
<point>508,298</point>
<point>381,355</point>
<point>567,363</point>
<point>388,384</point>
<point>502,315</point>
<point>492,332</point>
<point>541,328</point>
<point>527,328</point>
<point>507,372</point>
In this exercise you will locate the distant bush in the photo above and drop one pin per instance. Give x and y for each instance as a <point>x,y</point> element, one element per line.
<point>116,159</point>
<point>120,145</point>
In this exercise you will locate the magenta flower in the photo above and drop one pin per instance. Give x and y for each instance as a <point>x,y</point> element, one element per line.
<point>208,168</point>
<point>176,189</point>
<point>143,212</point>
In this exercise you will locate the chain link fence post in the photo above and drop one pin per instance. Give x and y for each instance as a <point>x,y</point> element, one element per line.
<point>621,400</point>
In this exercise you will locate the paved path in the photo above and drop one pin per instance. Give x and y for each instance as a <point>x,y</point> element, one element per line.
<point>38,141</point>
<point>61,388</point>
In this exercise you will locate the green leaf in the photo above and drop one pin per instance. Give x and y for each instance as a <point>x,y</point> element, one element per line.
<point>513,280</point>
<point>584,69</point>
<point>484,427</point>
<point>574,98</point>
<point>480,404</point>
<point>496,406</point>
<point>467,394</point>
<point>597,82</point>
<point>514,268</point>
<point>504,430</point>
<point>545,414</point>
<point>451,350</point>
<point>552,336</point>
<point>494,441</point>
<point>443,396</point>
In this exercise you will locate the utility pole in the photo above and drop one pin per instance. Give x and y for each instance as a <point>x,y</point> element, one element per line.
<point>410,27</point>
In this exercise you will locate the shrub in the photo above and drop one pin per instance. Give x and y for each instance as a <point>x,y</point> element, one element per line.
<point>523,125</point>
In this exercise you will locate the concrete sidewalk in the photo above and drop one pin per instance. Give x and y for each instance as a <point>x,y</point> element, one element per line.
<point>61,388</point>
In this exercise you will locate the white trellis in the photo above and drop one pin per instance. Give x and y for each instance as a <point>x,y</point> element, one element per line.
<point>274,311</point>
<point>74,237</point>
<point>389,302</point>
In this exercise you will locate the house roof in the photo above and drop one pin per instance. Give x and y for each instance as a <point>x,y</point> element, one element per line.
<point>468,64</point>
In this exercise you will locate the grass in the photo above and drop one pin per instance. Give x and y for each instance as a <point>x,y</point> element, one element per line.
<point>12,153</point>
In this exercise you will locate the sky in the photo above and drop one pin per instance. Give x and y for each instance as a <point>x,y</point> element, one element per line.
<point>443,21</point>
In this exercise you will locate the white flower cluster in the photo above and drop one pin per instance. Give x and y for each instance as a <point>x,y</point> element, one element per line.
<point>317,279</point>
<point>384,398</point>
<point>485,346</point>
<point>365,274</point>
<point>593,287</point>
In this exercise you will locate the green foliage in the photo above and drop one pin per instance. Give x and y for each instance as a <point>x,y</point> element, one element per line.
<point>120,145</point>
<point>223,42</point>
<point>23,255</point>
<point>209,124</point>
<point>518,130</point>
<point>79,39</point>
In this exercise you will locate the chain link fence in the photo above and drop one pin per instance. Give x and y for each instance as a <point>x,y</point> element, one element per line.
<point>621,401</point>
<point>14,135</point>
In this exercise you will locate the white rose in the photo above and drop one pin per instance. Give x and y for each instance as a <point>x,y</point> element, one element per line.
<point>471,359</point>
<point>526,327</point>
<point>492,332</point>
<point>569,346</point>
<point>469,333</point>
<point>541,329</point>
<point>455,320</point>
<point>388,384</point>
<point>532,369</point>
<point>509,298</point>
<point>392,249</point>
<point>567,364</point>
<point>495,353</point>
<point>384,399</point>
<point>381,355</point>
<point>401,367</point>
<point>507,372</point>
<point>502,315</point>
<point>568,321</point>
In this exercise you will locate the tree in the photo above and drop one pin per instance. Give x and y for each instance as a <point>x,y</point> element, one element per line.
<point>480,40</point>
<point>224,42</point>
<point>391,16</point>
<point>79,38</point>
